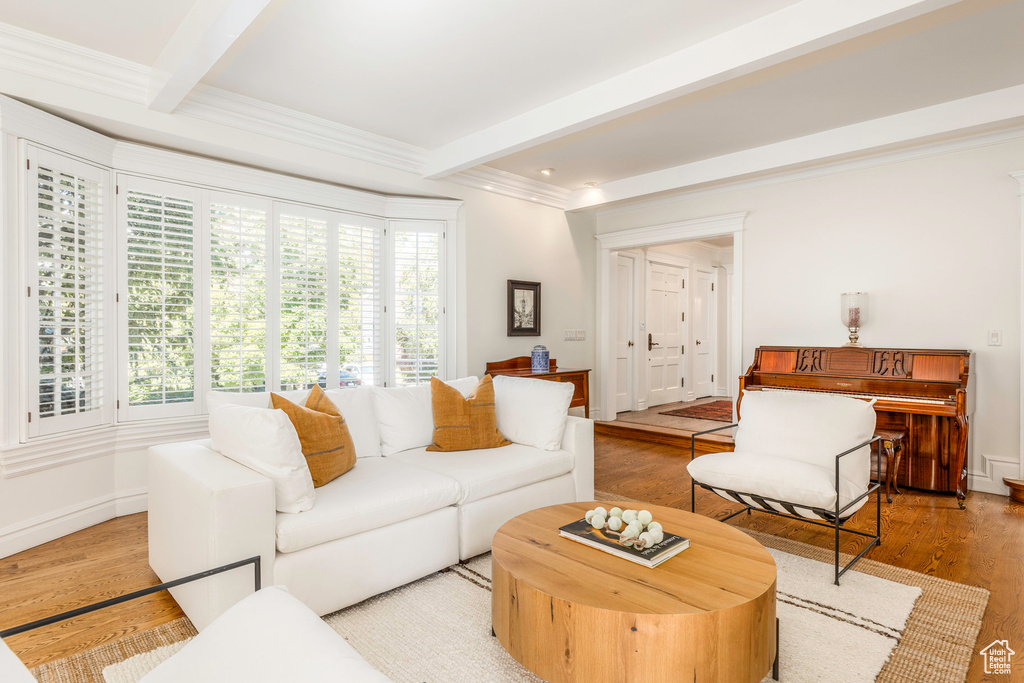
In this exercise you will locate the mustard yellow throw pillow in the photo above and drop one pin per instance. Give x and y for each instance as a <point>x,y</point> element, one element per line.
<point>326,441</point>
<point>464,424</point>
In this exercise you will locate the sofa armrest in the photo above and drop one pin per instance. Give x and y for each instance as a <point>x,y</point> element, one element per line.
<point>11,668</point>
<point>206,510</point>
<point>578,439</point>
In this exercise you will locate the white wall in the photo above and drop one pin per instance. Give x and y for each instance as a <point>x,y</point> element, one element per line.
<point>934,241</point>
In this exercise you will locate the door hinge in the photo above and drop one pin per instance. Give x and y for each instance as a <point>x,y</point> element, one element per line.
<point>119,404</point>
<point>444,310</point>
<point>30,417</point>
<point>683,317</point>
<point>712,378</point>
<point>28,165</point>
<point>117,297</point>
<point>385,309</point>
<point>682,350</point>
<point>682,383</point>
<point>683,286</point>
<point>444,235</point>
<point>29,293</point>
<point>712,286</point>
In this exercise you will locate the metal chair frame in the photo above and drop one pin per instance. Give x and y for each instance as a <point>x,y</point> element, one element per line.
<point>835,516</point>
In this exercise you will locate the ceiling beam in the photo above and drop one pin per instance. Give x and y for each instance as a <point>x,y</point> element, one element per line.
<point>209,29</point>
<point>797,30</point>
<point>958,117</point>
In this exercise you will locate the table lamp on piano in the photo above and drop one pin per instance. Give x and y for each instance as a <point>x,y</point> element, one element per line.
<point>853,309</point>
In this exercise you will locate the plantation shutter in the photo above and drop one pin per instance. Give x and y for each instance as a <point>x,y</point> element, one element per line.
<point>158,307</point>
<point>304,287</point>
<point>417,298</point>
<point>359,307</point>
<point>68,293</point>
<point>238,293</point>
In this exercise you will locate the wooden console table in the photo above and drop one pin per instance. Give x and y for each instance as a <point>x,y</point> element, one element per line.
<point>521,367</point>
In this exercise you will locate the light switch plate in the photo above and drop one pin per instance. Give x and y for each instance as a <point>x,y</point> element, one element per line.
<point>995,337</point>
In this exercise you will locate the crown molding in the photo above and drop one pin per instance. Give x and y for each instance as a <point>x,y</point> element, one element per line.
<point>59,61</point>
<point>825,168</point>
<point>247,113</point>
<point>1019,177</point>
<point>25,121</point>
<point>673,232</point>
<point>511,185</point>
<point>423,208</point>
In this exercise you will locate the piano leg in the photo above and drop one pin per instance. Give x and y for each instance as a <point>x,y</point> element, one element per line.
<point>961,460</point>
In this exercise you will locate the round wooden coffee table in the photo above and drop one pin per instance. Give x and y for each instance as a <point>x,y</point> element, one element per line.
<point>568,612</point>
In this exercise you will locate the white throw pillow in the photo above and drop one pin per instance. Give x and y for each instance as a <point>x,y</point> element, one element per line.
<point>265,441</point>
<point>356,406</point>
<point>406,414</point>
<point>532,411</point>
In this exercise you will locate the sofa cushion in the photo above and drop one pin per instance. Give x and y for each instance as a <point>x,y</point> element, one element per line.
<point>265,441</point>
<point>532,412</point>
<point>373,494</point>
<point>484,473</point>
<point>406,417</point>
<point>268,636</point>
<point>811,428</point>
<point>464,423</point>
<point>253,399</point>
<point>770,476</point>
<point>356,404</point>
<point>326,441</point>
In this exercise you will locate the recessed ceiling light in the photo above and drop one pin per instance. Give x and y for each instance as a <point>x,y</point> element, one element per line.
<point>488,187</point>
<point>547,171</point>
<point>590,184</point>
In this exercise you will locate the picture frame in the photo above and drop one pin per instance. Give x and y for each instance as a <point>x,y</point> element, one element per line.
<point>523,308</point>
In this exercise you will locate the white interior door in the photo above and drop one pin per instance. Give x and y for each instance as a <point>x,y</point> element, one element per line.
<point>665,309</point>
<point>705,334</point>
<point>624,380</point>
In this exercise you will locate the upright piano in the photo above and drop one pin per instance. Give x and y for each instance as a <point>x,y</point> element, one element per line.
<point>926,393</point>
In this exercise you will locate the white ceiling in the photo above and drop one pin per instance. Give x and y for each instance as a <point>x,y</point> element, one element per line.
<point>427,73</point>
<point>606,91</point>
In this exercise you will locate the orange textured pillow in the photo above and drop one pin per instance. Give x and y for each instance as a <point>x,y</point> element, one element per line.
<point>326,441</point>
<point>464,424</point>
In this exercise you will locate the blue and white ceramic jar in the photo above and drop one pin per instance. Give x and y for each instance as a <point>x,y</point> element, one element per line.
<point>541,360</point>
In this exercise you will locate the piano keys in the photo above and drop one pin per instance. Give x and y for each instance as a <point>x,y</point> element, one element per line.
<point>926,393</point>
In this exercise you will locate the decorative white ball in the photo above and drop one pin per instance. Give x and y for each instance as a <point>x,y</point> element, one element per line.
<point>589,515</point>
<point>628,516</point>
<point>658,536</point>
<point>644,541</point>
<point>615,512</point>
<point>636,526</point>
<point>601,511</point>
<point>654,526</point>
<point>645,517</point>
<point>628,534</point>
<point>597,521</point>
<point>614,523</point>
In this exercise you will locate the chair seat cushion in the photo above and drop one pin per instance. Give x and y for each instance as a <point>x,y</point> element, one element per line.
<point>376,492</point>
<point>769,476</point>
<point>484,473</point>
<point>268,636</point>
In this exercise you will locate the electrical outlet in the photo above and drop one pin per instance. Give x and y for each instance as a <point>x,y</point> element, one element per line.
<point>995,337</point>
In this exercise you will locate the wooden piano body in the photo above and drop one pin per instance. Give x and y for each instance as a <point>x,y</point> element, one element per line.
<point>926,393</point>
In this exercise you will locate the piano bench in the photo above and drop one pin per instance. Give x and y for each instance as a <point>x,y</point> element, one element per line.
<point>891,446</point>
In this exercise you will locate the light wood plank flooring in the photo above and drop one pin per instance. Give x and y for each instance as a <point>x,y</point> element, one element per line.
<point>982,546</point>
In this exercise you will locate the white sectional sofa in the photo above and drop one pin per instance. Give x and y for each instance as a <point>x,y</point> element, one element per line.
<point>401,513</point>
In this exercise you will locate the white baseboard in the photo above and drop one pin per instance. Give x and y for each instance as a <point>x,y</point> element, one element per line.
<point>45,528</point>
<point>988,471</point>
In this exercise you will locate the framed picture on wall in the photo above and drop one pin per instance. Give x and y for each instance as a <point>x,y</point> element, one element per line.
<point>523,309</point>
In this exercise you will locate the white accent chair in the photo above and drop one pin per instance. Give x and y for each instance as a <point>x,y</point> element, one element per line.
<point>797,454</point>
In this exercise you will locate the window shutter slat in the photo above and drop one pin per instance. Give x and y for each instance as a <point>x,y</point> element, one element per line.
<point>238,267</point>
<point>160,298</point>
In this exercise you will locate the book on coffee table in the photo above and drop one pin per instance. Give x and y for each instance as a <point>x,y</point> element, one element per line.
<point>608,541</point>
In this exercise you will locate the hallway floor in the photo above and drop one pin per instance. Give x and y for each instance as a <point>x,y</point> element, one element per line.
<point>654,417</point>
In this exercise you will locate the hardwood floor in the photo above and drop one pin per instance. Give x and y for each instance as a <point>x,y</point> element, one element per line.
<point>982,546</point>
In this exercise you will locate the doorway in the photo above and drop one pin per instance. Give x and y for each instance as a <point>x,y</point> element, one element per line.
<point>685,287</point>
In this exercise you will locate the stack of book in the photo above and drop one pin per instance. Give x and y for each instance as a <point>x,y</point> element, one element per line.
<point>608,541</point>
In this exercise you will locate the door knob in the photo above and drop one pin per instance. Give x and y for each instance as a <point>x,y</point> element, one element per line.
<point>630,343</point>
<point>650,341</point>
<point>698,342</point>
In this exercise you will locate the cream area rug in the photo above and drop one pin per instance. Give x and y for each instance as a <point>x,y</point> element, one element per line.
<point>871,628</point>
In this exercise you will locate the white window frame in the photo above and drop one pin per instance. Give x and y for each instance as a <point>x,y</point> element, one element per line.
<point>32,157</point>
<point>126,412</point>
<point>438,227</point>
